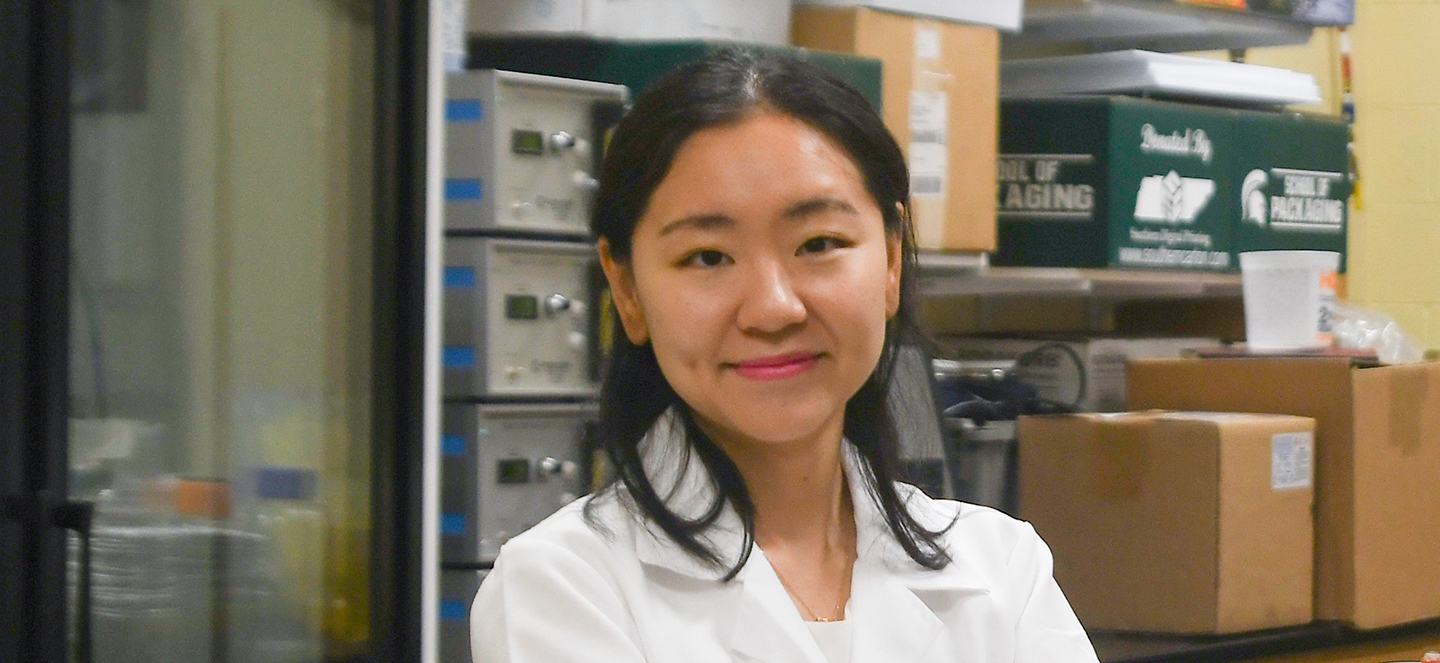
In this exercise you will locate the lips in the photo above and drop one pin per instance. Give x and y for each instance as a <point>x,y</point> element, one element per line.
<point>776,367</point>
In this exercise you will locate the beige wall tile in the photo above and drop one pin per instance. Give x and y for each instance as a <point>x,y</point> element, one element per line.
<point>1395,46</point>
<point>1360,255</point>
<point>1431,339</point>
<point>1396,150</point>
<point>1405,259</point>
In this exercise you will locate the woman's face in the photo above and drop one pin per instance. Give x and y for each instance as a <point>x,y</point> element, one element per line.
<point>762,275</point>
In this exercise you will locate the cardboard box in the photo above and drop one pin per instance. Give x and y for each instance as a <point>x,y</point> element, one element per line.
<point>1114,182</point>
<point>1003,14</point>
<point>755,21</point>
<point>637,64</point>
<point>1292,182</point>
<point>941,85</point>
<point>1052,370</point>
<point>1186,523</point>
<point>1377,461</point>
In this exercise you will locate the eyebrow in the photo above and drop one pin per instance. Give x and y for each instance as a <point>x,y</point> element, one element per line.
<point>799,210</point>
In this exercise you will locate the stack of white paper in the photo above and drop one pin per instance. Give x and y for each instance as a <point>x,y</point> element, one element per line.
<point>1164,74</point>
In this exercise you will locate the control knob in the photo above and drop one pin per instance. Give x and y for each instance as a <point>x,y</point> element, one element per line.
<point>561,140</point>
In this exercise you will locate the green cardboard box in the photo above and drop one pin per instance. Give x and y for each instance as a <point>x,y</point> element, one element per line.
<point>1114,182</point>
<point>637,64</point>
<point>1292,179</point>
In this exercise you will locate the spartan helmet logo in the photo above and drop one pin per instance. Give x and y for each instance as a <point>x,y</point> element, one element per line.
<point>1253,205</point>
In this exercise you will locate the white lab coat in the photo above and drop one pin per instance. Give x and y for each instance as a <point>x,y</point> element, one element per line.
<point>563,592</point>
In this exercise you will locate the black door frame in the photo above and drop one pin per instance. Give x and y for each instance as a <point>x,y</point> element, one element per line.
<point>34,275</point>
<point>15,56</point>
<point>34,320</point>
<point>398,459</point>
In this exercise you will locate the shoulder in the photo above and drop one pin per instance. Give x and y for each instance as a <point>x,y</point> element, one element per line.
<point>564,570</point>
<point>578,534</point>
<point>979,537</point>
<point>563,560</point>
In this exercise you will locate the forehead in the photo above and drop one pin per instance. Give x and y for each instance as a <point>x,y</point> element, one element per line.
<point>761,163</point>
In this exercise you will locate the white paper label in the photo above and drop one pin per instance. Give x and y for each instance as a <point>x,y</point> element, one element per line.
<point>927,43</point>
<point>1291,460</point>
<point>929,159</point>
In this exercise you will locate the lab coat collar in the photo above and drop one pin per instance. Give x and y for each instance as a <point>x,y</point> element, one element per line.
<point>682,481</point>
<point>893,599</point>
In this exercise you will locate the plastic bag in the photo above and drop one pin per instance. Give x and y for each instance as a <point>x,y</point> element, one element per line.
<point>1361,328</point>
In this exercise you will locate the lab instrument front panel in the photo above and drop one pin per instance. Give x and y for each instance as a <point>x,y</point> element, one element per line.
<point>520,320</point>
<point>521,150</point>
<point>506,467</point>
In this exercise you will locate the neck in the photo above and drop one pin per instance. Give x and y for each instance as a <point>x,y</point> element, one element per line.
<point>798,488</point>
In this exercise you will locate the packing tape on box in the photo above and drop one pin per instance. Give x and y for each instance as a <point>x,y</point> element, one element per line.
<point>1119,454</point>
<point>1409,392</point>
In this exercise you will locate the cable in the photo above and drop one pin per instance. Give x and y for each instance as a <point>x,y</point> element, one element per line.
<point>1079,371</point>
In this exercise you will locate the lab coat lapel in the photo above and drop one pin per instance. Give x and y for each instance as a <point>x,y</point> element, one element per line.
<point>893,600</point>
<point>768,627</point>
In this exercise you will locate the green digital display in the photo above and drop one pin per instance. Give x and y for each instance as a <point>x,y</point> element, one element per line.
<point>522,307</point>
<point>527,142</point>
<point>512,471</point>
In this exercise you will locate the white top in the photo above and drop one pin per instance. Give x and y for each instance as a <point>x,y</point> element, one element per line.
<point>625,593</point>
<point>833,638</point>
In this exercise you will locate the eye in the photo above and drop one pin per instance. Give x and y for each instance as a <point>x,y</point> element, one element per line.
<point>705,258</point>
<point>821,245</point>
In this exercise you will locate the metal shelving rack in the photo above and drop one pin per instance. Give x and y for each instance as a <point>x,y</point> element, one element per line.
<point>970,275</point>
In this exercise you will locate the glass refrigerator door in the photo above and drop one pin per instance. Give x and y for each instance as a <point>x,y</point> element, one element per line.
<point>210,232</point>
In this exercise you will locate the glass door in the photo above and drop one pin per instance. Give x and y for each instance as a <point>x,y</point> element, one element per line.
<point>208,283</point>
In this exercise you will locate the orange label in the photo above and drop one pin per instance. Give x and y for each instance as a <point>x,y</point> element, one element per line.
<point>1329,281</point>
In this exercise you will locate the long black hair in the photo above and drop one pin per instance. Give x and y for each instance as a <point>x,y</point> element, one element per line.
<point>719,89</point>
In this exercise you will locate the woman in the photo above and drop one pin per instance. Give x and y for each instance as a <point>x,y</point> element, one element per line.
<point>752,224</point>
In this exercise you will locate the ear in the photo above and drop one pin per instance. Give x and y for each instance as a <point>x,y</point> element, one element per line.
<point>622,290</point>
<point>894,253</point>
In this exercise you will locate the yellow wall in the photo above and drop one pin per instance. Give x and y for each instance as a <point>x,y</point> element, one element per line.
<point>1395,238</point>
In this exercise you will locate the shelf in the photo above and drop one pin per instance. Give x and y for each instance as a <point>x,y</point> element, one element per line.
<point>1154,25</point>
<point>1318,641</point>
<point>965,276</point>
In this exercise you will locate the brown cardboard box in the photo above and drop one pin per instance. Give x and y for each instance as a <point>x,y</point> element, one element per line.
<point>1377,560</point>
<point>941,85</point>
<point>1174,522</point>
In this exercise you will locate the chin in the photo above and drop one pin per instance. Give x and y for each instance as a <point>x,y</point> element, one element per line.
<point>778,423</point>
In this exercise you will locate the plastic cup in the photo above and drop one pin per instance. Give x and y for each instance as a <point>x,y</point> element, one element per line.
<point>1289,298</point>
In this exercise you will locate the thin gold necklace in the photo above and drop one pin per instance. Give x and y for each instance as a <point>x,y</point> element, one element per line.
<point>815,616</point>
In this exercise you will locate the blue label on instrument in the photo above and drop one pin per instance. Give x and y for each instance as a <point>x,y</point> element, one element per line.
<point>464,110</point>
<point>459,277</point>
<point>459,356</point>
<point>454,611</point>
<point>462,189</point>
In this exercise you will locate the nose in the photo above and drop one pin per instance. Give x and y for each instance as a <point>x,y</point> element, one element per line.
<point>771,303</point>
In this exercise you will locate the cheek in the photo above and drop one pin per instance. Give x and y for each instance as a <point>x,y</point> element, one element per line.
<point>685,322</point>
<point>860,291</point>
<point>854,309</point>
